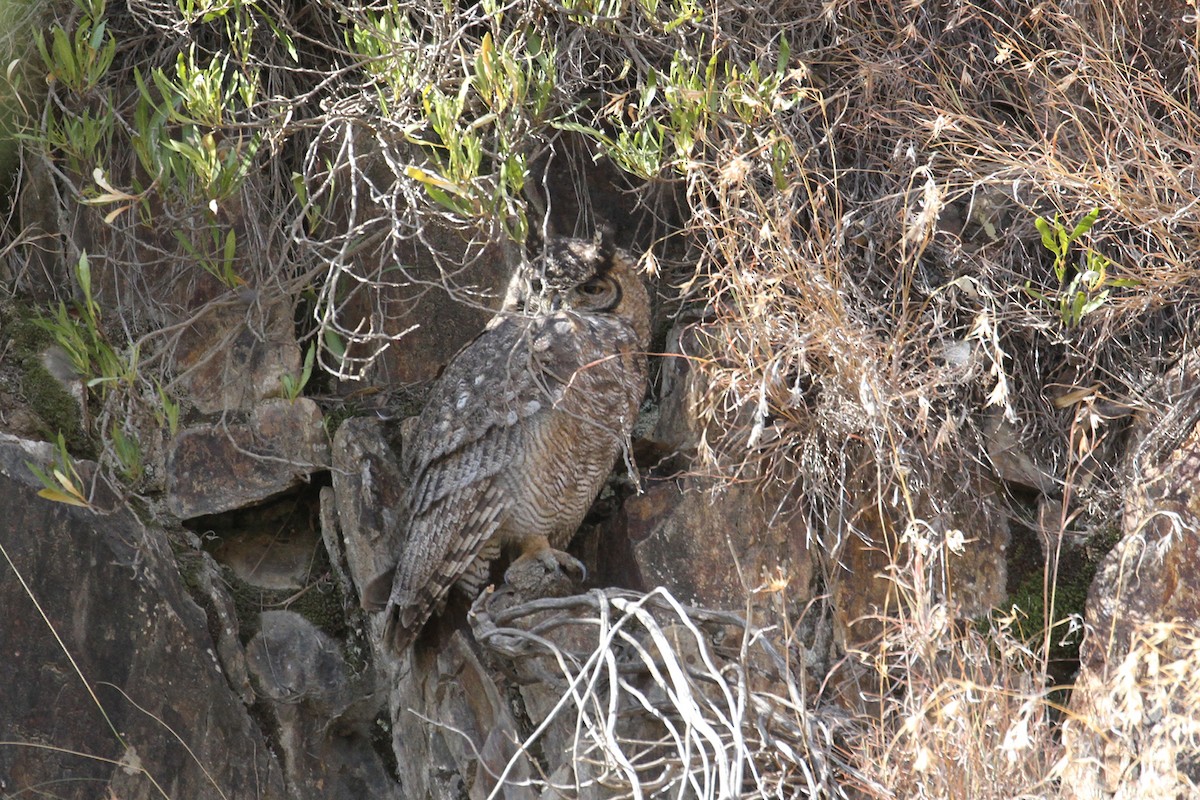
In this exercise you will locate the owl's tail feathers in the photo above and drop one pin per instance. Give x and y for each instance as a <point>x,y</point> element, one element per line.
<point>378,591</point>
<point>399,629</point>
<point>404,620</point>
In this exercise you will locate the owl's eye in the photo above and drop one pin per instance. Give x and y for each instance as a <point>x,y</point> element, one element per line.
<point>598,294</point>
<point>535,286</point>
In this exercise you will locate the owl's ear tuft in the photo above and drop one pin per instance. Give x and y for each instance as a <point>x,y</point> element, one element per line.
<point>535,240</point>
<point>604,240</point>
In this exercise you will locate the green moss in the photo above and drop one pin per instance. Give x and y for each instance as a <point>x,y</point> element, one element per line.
<point>189,563</point>
<point>334,414</point>
<point>1077,568</point>
<point>27,337</point>
<point>55,407</point>
<point>59,412</point>
<point>321,603</point>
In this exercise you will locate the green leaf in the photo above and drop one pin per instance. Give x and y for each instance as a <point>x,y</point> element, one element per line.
<point>39,474</point>
<point>186,244</point>
<point>1085,224</point>
<point>334,344</point>
<point>1036,295</point>
<point>62,497</point>
<point>1094,303</point>
<point>306,372</point>
<point>586,130</point>
<point>230,247</point>
<point>84,271</point>
<point>456,204</point>
<point>1076,312</point>
<point>40,41</point>
<point>283,36</point>
<point>64,57</point>
<point>651,90</point>
<point>97,39</point>
<point>1047,232</point>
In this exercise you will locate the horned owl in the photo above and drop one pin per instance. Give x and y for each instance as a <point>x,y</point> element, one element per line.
<point>520,431</point>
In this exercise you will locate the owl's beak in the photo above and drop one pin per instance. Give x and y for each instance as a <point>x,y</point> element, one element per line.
<point>556,302</point>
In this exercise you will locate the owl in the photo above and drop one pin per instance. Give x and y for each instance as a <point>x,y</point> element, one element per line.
<point>520,432</point>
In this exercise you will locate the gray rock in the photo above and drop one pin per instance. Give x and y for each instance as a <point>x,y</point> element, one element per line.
<point>106,655</point>
<point>223,624</point>
<point>709,544</point>
<point>267,552</point>
<point>217,468</point>
<point>331,536</point>
<point>323,732</point>
<point>714,547</point>
<point>966,503</point>
<point>450,309</point>
<point>1136,687</point>
<point>294,662</point>
<point>369,490</point>
<point>229,361</point>
<point>452,730</point>
<point>1010,458</point>
<point>45,276</point>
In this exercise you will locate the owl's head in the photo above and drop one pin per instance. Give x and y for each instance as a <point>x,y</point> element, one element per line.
<point>583,275</point>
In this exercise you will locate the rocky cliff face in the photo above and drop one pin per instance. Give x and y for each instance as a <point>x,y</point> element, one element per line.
<point>834,496</point>
<point>114,680</point>
<point>206,640</point>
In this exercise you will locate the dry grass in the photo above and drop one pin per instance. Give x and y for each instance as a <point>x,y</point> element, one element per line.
<point>660,699</point>
<point>656,699</point>
<point>1144,718</point>
<point>879,294</point>
<point>667,700</point>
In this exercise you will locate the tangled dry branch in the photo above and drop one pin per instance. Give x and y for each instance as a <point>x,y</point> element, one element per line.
<point>664,699</point>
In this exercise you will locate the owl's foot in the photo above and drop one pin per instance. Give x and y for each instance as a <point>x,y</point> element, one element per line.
<point>545,573</point>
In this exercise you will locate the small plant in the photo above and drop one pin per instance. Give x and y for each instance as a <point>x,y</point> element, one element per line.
<point>79,332</point>
<point>694,105</point>
<point>293,386</point>
<point>387,42</point>
<point>1081,288</point>
<point>475,126</point>
<point>335,345</point>
<point>61,484</point>
<point>76,136</point>
<point>80,60</point>
<point>129,453</point>
<point>187,134</point>
<point>168,414</point>
<point>221,266</point>
<point>314,212</point>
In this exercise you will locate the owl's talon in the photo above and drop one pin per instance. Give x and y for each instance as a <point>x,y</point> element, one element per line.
<point>556,560</point>
<point>545,573</point>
